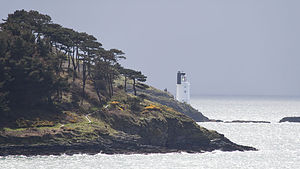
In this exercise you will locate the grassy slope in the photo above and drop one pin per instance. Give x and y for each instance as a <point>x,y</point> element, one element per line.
<point>116,127</point>
<point>165,98</point>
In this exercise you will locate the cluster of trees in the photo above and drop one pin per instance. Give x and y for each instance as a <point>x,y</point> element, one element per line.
<point>131,74</point>
<point>37,56</point>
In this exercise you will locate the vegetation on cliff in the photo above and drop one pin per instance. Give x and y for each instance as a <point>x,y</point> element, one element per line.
<point>167,99</point>
<point>39,59</point>
<point>126,124</point>
<point>60,92</point>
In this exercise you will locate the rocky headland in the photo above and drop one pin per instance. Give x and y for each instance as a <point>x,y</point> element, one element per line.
<point>62,92</point>
<point>150,128</point>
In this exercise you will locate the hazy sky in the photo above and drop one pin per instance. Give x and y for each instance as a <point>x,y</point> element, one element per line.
<point>227,47</point>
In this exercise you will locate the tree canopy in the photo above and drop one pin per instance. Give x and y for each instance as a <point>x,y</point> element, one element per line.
<point>37,57</point>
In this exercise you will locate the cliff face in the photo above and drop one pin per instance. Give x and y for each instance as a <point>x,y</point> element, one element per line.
<point>127,124</point>
<point>171,130</point>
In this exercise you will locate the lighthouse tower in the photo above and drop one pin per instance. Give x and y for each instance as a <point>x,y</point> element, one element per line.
<point>183,88</point>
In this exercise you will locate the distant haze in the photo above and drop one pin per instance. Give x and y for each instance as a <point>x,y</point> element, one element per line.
<point>226,47</point>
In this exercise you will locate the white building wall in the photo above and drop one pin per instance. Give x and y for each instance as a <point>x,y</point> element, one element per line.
<point>183,92</point>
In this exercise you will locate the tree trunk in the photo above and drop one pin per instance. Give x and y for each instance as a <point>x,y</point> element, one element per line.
<point>74,64</point>
<point>111,85</point>
<point>83,81</point>
<point>69,62</point>
<point>98,93</point>
<point>125,84</point>
<point>134,89</point>
<point>89,68</point>
<point>61,66</point>
<point>99,96</point>
<point>77,59</point>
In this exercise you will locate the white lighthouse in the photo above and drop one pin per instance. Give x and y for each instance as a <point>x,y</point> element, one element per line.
<point>183,88</point>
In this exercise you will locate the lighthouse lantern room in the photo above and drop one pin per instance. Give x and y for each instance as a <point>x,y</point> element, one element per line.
<point>183,88</point>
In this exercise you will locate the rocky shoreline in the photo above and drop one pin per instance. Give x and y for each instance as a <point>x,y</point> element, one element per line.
<point>117,147</point>
<point>170,132</point>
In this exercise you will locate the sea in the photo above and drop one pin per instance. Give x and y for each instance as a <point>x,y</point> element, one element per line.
<point>278,144</point>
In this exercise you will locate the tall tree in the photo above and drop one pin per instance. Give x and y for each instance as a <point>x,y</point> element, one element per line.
<point>29,75</point>
<point>34,52</point>
<point>136,76</point>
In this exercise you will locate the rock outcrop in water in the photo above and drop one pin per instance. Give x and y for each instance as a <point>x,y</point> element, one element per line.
<point>246,121</point>
<point>290,119</point>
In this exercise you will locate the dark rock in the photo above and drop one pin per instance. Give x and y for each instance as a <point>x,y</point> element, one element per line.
<point>213,120</point>
<point>246,121</point>
<point>290,119</point>
<point>169,133</point>
<point>173,134</point>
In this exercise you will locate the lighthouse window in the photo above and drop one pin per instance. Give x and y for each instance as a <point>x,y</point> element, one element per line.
<point>185,91</point>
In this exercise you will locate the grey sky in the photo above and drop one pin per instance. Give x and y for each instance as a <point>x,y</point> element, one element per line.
<point>227,47</point>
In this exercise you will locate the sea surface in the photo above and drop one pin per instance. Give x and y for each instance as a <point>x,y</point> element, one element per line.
<point>278,143</point>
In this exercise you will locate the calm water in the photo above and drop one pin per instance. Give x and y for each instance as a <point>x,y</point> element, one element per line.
<point>278,143</point>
